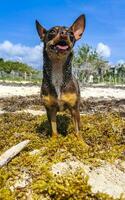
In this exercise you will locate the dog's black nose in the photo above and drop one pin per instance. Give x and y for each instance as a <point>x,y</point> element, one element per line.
<point>63,34</point>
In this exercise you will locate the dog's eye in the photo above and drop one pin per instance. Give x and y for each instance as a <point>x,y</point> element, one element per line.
<point>52,32</point>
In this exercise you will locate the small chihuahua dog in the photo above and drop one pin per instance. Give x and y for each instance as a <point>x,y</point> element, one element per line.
<point>60,89</point>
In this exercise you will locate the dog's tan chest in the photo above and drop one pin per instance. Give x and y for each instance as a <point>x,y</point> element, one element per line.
<point>69,98</point>
<point>65,98</point>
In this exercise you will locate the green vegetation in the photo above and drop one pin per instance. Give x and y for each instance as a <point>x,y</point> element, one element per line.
<point>87,55</point>
<point>103,136</point>
<point>88,62</point>
<point>17,71</point>
<point>9,66</point>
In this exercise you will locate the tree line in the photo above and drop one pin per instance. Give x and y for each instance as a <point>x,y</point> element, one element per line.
<point>89,62</point>
<point>9,66</point>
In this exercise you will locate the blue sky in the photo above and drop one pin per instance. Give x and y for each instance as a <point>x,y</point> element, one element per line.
<point>105,27</point>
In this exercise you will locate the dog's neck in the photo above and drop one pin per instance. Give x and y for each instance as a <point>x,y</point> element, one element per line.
<point>57,71</point>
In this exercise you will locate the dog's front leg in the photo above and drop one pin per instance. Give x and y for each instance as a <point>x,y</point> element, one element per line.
<point>76,120</point>
<point>51,114</point>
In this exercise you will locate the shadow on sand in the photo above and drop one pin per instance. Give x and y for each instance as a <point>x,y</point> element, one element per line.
<point>63,122</point>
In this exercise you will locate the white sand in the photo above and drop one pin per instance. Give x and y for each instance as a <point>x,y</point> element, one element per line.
<point>8,91</point>
<point>107,93</point>
<point>107,178</point>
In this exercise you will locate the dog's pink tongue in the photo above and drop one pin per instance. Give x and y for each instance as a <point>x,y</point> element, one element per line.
<point>62,47</point>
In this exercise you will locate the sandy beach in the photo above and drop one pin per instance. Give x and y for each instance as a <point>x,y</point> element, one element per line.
<point>9,90</point>
<point>86,92</point>
<point>22,104</point>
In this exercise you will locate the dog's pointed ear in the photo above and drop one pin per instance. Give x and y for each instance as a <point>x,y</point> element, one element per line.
<point>41,30</point>
<point>78,27</point>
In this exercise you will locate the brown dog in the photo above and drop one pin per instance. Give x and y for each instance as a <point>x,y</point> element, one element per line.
<point>60,89</point>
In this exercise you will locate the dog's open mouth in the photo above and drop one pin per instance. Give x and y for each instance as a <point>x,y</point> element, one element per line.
<point>61,46</point>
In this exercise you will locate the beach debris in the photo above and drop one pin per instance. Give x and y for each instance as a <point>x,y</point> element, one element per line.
<point>12,152</point>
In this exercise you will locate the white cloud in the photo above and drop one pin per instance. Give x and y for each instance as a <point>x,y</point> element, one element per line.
<point>121,61</point>
<point>104,50</point>
<point>29,55</point>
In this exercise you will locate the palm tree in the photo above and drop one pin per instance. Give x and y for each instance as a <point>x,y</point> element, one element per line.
<point>89,61</point>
